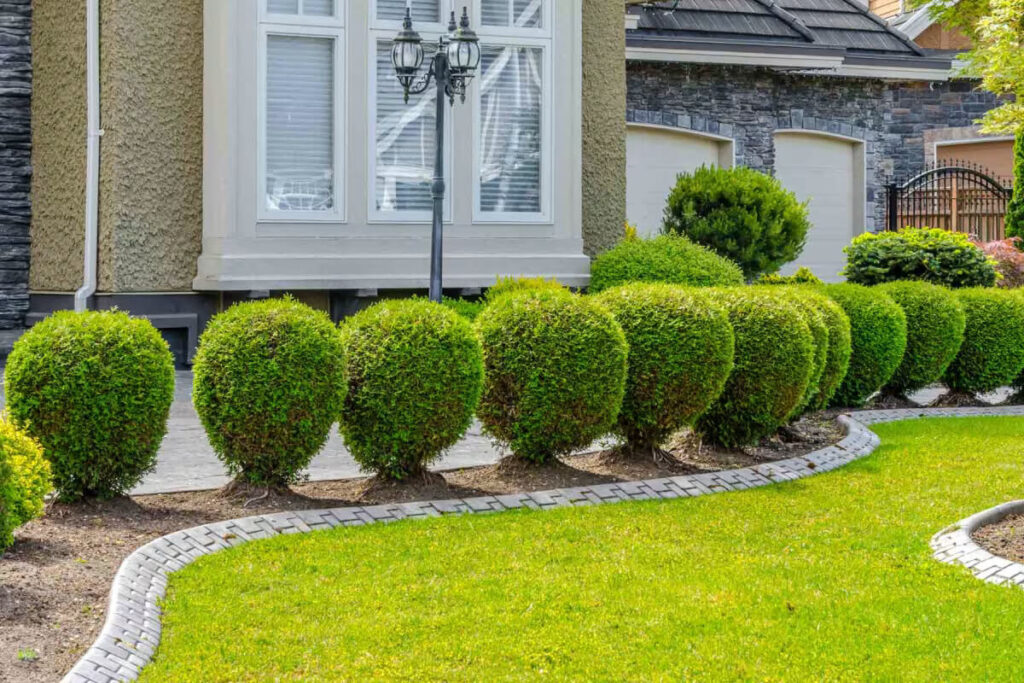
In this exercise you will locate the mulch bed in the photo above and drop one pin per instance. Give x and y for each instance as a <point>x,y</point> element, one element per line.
<point>55,581</point>
<point>1005,539</point>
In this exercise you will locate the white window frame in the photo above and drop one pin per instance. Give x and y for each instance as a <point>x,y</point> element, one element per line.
<point>502,36</point>
<point>384,31</point>
<point>304,27</point>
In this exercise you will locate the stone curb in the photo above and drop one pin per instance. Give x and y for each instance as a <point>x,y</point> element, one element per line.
<point>132,629</point>
<point>955,545</point>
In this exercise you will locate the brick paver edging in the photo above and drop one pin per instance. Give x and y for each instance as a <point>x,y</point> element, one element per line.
<point>955,545</point>
<point>132,629</point>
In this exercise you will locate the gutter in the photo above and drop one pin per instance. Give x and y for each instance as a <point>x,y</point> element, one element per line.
<point>92,153</point>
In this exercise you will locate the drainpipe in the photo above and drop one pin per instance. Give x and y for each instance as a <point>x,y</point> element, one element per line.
<point>92,152</point>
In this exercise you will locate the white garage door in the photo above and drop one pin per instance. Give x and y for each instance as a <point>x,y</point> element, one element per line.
<point>828,173</point>
<point>654,157</point>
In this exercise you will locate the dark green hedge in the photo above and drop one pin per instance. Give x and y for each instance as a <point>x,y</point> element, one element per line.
<point>269,384</point>
<point>680,355</point>
<point>415,377</point>
<point>879,337</point>
<point>95,390</point>
<point>555,369</point>
<point>24,480</point>
<point>668,259</point>
<point>742,214</point>
<point>992,354</point>
<point>773,363</point>
<point>935,331</point>
<point>937,256</point>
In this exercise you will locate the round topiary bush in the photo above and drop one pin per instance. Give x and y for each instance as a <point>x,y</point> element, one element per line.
<point>669,259</point>
<point>810,307</point>
<point>879,337</point>
<point>555,373</point>
<point>938,256</point>
<point>935,331</point>
<point>95,390</point>
<point>415,377</point>
<point>992,354</point>
<point>773,364</point>
<point>837,360</point>
<point>680,355</point>
<point>24,480</point>
<point>269,383</point>
<point>520,285</point>
<point>742,214</point>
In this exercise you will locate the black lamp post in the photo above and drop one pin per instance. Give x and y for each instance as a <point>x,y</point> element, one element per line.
<point>451,68</point>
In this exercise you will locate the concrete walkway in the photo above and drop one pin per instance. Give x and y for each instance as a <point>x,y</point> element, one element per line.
<point>186,462</point>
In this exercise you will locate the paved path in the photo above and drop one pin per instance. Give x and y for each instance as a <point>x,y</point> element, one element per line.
<point>187,463</point>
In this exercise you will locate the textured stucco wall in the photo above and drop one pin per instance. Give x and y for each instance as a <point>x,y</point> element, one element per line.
<point>58,150</point>
<point>604,128</point>
<point>151,163</point>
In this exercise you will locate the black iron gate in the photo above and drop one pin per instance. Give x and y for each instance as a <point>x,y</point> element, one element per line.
<point>960,197</point>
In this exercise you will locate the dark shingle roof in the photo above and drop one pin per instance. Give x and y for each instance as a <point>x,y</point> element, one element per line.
<point>830,24</point>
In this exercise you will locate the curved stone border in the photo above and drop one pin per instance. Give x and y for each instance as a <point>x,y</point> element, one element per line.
<point>955,545</point>
<point>132,629</point>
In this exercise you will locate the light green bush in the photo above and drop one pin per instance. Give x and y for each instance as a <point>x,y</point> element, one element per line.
<point>24,480</point>
<point>269,383</point>
<point>935,331</point>
<point>680,355</point>
<point>415,377</point>
<point>506,286</point>
<point>774,360</point>
<point>555,373</point>
<point>879,337</point>
<point>95,390</point>
<point>992,353</point>
<point>668,259</point>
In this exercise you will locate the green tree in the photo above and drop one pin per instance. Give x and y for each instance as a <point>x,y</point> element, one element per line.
<point>1015,211</point>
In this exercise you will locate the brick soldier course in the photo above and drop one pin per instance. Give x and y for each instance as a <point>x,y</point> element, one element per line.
<point>954,545</point>
<point>132,630</point>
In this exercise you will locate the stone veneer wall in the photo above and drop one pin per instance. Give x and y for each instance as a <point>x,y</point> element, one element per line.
<point>15,159</point>
<point>749,104</point>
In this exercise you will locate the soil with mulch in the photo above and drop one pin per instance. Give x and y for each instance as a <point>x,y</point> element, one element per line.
<point>1005,539</point>
<point>55,581</point>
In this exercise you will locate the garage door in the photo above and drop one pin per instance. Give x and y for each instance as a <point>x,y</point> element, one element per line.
<point>995,157</point>
<point>827,173</point>
<point>654,157</point>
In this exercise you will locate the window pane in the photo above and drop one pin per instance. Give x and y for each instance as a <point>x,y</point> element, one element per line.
<point>422,10</point>
<point>283,6</point>
<point>404,142</point>
<point>512,13</point>
<point>510,129</point>
<point>300,123</point>
<point>318,8</point>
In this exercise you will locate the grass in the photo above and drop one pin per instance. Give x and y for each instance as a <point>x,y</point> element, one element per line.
<point>826,578</point>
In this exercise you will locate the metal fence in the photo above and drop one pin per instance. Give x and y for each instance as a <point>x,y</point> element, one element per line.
<point>957,196</point>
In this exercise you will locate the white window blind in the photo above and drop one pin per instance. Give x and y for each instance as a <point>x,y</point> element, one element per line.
<point>404,142</point>
<point>309,8</point>
<point>300,123</point>
<point>512,13</point>
<point>422,10</point>
<point>511,130</point>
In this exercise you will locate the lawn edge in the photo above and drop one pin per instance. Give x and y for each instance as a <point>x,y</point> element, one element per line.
<point>131,632</point>
<point>955,545</point>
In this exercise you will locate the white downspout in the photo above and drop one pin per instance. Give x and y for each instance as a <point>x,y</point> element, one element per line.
<point>92,152</point>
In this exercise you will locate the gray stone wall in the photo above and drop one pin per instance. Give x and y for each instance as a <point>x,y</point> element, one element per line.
<point>15,158</point>
<point>749,104</point>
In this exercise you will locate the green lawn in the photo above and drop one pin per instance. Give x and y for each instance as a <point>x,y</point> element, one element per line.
<point>825,578</point>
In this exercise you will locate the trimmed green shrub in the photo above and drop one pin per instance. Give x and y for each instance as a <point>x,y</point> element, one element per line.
<point>802,276</point>
<point>810,307</point>
<point>668,259</point>
<point>555,373</point>
<point>1015,209</point>
<point>935,331</point>
<point>773,364</point>
<point>680,355</point>
<point>269,383</point>
<point>742,214</point>
<point>519,285</point>
<point>878,329</point>
<point>415,377</point>
<point>24,480</point>
<point>937,256</point>
<point>992,354</point>
<point>837,359</point>
<point>95,390</point>
<point>464,307</point>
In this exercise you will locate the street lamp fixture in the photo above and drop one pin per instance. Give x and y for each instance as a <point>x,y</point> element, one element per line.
<point>451,69</point>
